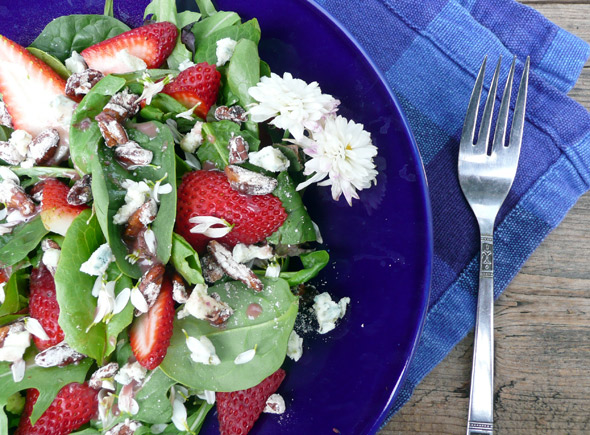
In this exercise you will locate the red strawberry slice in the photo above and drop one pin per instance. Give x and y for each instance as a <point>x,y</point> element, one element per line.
<point>238,411</point>
<point>151,332</point>
<point>74,405</point>
<point>31,90</point>
<point>198,84</point>
<point>43,306</point>
<point>56,213</point>
<point>152,43</point>
<point>208,193</point>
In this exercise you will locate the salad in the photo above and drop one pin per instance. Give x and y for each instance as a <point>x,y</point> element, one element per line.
<point>155,250</point>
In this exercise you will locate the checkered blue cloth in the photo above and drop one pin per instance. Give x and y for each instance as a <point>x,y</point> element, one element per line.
<point>430,53</point>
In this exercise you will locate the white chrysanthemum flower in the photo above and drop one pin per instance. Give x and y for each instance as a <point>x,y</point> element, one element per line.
<point>294,104</point>
<point>344,153</point>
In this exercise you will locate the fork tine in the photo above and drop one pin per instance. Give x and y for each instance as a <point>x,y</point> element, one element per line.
<point>519,111</point>
<point>471,116</point>
<point>486,120</point>
<point>502,121</point>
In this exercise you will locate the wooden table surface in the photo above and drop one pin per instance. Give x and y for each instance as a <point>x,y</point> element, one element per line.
<point>542,323</point>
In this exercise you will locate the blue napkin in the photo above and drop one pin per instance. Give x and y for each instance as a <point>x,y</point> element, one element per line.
<point>430,53</point>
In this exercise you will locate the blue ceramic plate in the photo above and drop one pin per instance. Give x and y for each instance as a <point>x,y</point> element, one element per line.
<point>381,248</point>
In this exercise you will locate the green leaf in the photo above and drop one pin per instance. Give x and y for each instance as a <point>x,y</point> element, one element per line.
<point>154,405</point>
<point>109,196</point>
<point>269,333</point>
<point>204,28</point>
<point>76,32</point>
<point>216,138</point>
<point>206,7</point>
<point>264,69</point>
<point>13,290</point>
<point>185,18</point>
<point>313,262</point>
<point>48,381</point>
<point>154,74</point>
<point>73,288</point>
<point>206,50</point>
<point>298,227</point>
<point>84,133</point>
<point>186,260</point>
<point>54,63</point>
<point>45,171</point>
<point>5,133</point>
<point>243,71</point>
<point>24,238</point>
<point>108,8</point>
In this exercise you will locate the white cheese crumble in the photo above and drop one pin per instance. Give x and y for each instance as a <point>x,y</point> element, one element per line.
<point>131,372</point>
<point>202,350</point>
<point>224,50</point>
<point>193,139</point>
<point>20,141</point>
<point>51,258</point>
<point>134,63</point>
<point>63,108</point>
<point>99,261</point>
<point>328,312</point>
<point>207,395</point>
<point>295,346</point>
<point>275,404</point>
<point>137,193</point>
<point>269,158</point>
<point>185,64</point>
<point>76,63</point>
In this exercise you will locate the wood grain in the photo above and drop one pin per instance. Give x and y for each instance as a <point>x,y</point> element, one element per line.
<point>542,323</point>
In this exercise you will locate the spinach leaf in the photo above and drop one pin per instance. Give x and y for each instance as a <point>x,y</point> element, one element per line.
<point>13,290</point>
<point>84,133</point>
<point>5,133</point>
<point>206,50</point>
<point>45,171</point>
<point>76,32</point>
<point>313,262</point>
<point>73,288</point>
<point>264,69</point>
<point>243,71</point>
<point>206,7</point>
<point>24,238</point>
<point>298,227</point>
<point>154,74</point>
<point>216,138</point>
<point>108,8</point>
<point>109,196</point>
<point>154,405</point>
<point>48,381</point>
<point>204,28</point>
<point>54,63</point>
<point>186,260</point>
<point>269,333</point>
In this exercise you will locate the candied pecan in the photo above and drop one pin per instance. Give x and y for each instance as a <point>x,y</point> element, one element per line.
<point>44,146</point>
<point>221,313</point>
<point>105,372</point>
<point>5,118</point>
<point>81,192</point>
<point>233,113</point>
<point>9,154</point>
<point>59,355</point>
<point>128,427</point>
<point>48,244</point>
<point>36,191</point>
<point>212,271</point>
<point>179,293</point>
<point>139,220</point>
<point>151,283</point>
<point>131,156</point>
<point>249,182</point>
<point>238,149</point>
<point>13,196</point>
<point>232,268</point>
<point>112,131</point>
<point>4,330</point>
<point>81,83</point>
<point>126,100</point>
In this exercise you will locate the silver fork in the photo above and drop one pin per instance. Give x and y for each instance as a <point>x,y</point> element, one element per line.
<point>486,178</point>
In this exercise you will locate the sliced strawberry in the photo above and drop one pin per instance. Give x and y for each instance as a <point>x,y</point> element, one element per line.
<point>198,84</point>
<point>208,193</point>
<point>238,411</point>
<point>30,89</point>
<point>74,405</point>
<point>151,332</point>
<point>43,306</point>
<point>56,213</point>
<point>152,43</point>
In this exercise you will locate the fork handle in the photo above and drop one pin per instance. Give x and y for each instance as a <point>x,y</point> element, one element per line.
<point>481,397</point>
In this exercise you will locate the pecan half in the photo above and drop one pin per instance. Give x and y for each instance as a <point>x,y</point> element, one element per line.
<point>112,131</point>
<point>249,182</point>
<point>9,154</point>
<point>48,244</point>
<point>233,113</point>
<point>43,147</point>
<point>222,312</point>
<point>131,156</point>
<point>139,220</point>
<point>151,283</point>
<point>212,271</point>
<point>106,372</point>
<point>13,196</point>
<point>81,192</point>
<point>179,293</point>
<point>36,191</point>
<point>128,427</point>
<point>5,118</point>
<point>232,268</point>
<point>81,83</point>
<point>59,355</point>
<point>238,149</point>
<point>126,100</point>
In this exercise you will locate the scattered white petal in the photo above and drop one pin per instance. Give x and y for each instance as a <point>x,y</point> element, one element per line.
<point>97,286</point>
<point>105,302</point>
<point>210,226</point>
<point>34,327</point>
<point>202,350</point>
<point>3,213</point>
<point>106,400</point>
<point>2,292</point>
<point>244,253</point>
<point>295,346</point>
<point>138,300</point>
<point>126,402</point>
<point>121,300</point>
<point>99,261</point>
<point>150,240</point>
<point>318,234</point>
<point>15,343</point>
<point>18,370</point>
<point>8,175</point>
<point>188,114</point>
<point>179,415</point>
<point>273,270</point>
<point>192,161</point>
<point>245,356</point>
